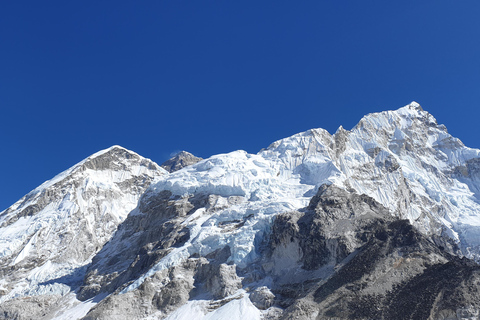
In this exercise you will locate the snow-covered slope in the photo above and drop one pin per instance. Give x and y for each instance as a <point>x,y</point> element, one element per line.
<point>48,236</point>
<point>200,239</point>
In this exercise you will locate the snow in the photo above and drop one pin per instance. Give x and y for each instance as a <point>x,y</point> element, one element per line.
<point>73,309</point>
<point>194,309</point>
<point>239,308</point>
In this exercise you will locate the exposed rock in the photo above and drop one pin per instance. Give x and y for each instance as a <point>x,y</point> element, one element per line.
<point>382,268</point>
<point>179,161</point>
<point>262,298</point>
<point>27,308</point>
<point>140,242</point>
<point>157,229</point>
<point>333,226</point>
<point>221,280</point>
<point>393,206</point>
<point>162,293</point>
<point>170,288</point>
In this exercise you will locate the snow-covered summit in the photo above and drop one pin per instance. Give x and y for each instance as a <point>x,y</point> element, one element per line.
<point>408,162</point>
<point>414,106</point>
<point>59,225</point>
<point>108,156</point>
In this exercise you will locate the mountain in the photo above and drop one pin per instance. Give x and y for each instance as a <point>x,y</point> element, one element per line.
<point>49,236</point>
<point>379,222</point>
<point>180,160</point>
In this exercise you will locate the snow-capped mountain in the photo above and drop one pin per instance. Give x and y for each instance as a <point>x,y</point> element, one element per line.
<point>315,225</point>
<point>405,161</point>
<point>55,230</point>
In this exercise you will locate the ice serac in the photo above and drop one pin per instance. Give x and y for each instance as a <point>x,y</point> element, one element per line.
<point>48,236</point>
<point>179,161</point>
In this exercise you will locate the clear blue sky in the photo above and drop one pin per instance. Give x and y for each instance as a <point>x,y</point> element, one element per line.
<point>216,76</point>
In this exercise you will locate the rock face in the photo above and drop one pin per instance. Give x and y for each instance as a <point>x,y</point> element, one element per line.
<point>262,298</point>
<point>146,236</point>
<point>155,230</point>
<point>379,222</point>
<point>331,229</point>
<point>403,159</point>
<point>388,270</point>
<point>180,160</point>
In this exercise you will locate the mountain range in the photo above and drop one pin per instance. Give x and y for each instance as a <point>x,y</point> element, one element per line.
<point>378,222</point>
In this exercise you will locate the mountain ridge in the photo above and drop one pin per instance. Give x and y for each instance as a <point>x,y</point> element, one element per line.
<point>61,223</point>
<point>236,230</point>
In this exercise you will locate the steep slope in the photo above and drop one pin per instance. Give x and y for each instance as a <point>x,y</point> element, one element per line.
<point>342,257</point>
<point>404,160</point>
<point>48,236</point>
<point>358,263</point>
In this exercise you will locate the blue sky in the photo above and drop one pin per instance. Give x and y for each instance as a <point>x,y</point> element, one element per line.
<point>216,76</point>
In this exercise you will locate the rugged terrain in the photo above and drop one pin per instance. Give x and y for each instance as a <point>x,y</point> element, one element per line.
<point>379,222</point>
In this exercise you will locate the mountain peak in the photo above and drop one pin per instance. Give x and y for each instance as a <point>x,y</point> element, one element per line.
<point>405,117</point>
<point>59,225</point>
<point>340,129</point>
<point>113,150</point>
<point>414,106</point>
<point>179,161</point>
<point>116,158</point>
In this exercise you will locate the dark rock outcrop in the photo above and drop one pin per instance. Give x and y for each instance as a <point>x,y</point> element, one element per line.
<point>374,266</point>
